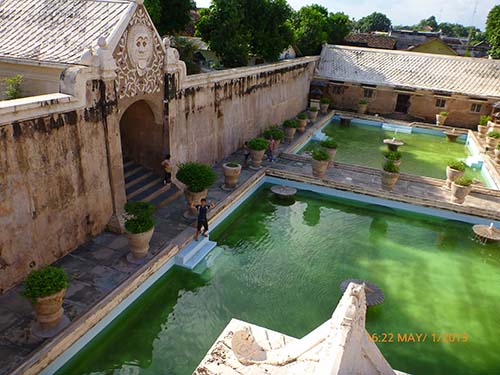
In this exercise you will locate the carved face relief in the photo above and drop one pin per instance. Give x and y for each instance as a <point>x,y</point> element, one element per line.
<point>140,47</point>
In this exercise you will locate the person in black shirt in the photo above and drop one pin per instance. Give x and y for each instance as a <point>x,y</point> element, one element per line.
<point>202,221</point>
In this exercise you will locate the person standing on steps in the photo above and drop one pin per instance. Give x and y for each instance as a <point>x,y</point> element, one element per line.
<point>270,149</point>
<point>202,221</point>
<point>167,167</point>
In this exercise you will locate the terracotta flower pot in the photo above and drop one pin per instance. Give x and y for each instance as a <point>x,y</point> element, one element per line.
<point>451,175</point>
<point>397,163</point>
<point>482,130</point>
<point>257,156</point>
<point>49,310</point>
<point>313,115</point>
<point>139,243</point>
<point>231,175</point>
<point>324,108</point>
<point>319,167</point>
<point>492,142</point>
<point>440,120</point>
<point>192,197</point>
<point>458,193</point>
<point>362,108</point>
<point>332,152</point>
<point>389,179</point>
<point>289,134</point>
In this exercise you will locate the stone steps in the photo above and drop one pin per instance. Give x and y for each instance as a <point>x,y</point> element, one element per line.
<point>192,254</point>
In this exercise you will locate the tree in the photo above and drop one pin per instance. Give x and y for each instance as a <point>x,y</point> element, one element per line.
<point>13,87</point>
<point>154,9</point>
<point>493,31</point>
<point>374,22</point>
<point>339,25</point>
<point>311,28</point>
<point>430,22</point>
<point>187,50</point>
<point>174,15</point>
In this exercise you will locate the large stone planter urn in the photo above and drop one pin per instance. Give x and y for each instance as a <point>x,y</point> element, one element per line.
<point>232,172</point>
<point>139,245</point>
<point>194,198</point>
<point>324,108</point>
<point>302,123</point>
<point>451,175</point>
<point>362,108</point>
<point>313,115</point>
<point>257,156</point>
<point>319,167</point>
<point>441,119</point>
<point>331,152</point>
<point>459,193</point>
<point>482,130</point>
<point>49,310</point>
<point>492,142</point>
<point>497,156</point>
<point>389,179</point>
<point>290,134</point>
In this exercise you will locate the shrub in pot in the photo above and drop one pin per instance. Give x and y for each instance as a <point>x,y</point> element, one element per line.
<point>302,122</point>
<point>257,147</point>
<point>290,127</point>
<point>139,226</point>
<point>197,177</point>
<point>482,128</point>
<point>45,288</point>
<point>362,106</point>
<point>313,113</point>
<point>441,118</point>
<point>394,156</point>
<point>460,188</point>
<point>324,104</point>
<point>232,171</point>
<point>320,159</point>
<point>390,175</point>
<point>454,169</point>
<point>331,147</point>
<point>275,132</point>
<point>492,139</point>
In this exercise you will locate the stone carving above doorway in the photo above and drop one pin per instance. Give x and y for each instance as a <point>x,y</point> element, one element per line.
<point>140,57</point>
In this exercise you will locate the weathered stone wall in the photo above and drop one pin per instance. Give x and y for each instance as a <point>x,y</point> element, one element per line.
<point>214,114</point>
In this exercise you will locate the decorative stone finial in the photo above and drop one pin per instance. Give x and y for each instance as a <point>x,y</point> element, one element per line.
<point>166,42</point>
<point>101,42</point>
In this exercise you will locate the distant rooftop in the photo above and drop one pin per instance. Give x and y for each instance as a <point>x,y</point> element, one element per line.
<point>370,40</point>
<point>451,74</point>
<point>55,31</point>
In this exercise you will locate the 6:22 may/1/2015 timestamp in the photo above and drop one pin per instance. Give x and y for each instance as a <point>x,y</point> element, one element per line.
<point>418,337</point>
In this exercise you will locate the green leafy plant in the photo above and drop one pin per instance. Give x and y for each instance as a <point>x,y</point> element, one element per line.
<point>139,209</point>
<point>362,102</point>
<point>458,165</point>
<point>196,176</point>
<point>140,217</point>
<point>301,116</point>
<point>498,146</point>
<point>444,114</point>
<point>320,154</point>
<point>328,143</point>
<point>463,181</point>
<point>392,155</point>
<point>483,120</point>
<point>494,134</point>
<point>390,167</point>
<point>313,109</point>
<point>233,164</point>
<point>258,144</point>
<point>325,101</point>
<point>13,87</point>
<point>45,282</point>
<point>275,132</point>
<point>290,124</point>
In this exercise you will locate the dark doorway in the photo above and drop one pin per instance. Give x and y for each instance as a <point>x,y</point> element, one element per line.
<point>403,103</point>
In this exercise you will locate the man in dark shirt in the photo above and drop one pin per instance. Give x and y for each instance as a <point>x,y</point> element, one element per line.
<point>202,221</point>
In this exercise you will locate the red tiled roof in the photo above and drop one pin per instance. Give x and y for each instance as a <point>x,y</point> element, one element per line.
<point>370,41</point>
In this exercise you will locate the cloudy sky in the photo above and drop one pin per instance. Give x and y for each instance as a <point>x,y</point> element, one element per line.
<point>406,11</point>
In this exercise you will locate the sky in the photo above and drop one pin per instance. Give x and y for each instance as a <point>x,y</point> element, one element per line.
<point>406,12</point>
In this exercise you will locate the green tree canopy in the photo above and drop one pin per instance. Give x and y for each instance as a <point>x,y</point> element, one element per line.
<point>154,9</point>
<point>339,25</point>
<point>374,22</point>
<point>170,16</point>
<point>431,22</point>
<point>493,31</point>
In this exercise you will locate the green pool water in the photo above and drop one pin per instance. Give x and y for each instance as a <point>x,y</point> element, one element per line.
<point>280,266</point>
<point>423,154</point>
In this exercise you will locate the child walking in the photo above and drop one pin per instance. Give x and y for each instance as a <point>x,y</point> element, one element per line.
<point>167,167</point>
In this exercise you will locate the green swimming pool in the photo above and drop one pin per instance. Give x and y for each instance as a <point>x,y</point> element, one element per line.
<point>280,266</point>
<point>423,154</point>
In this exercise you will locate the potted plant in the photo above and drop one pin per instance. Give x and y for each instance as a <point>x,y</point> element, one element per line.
<point>232,171</point>
<point>331,147</point>
<point>497,154</point>
<point>301,122</point>
<point>313,113</point>
<point>454,169</point>
<point>324,104</point>
<point>441,118</point>
<point>362,106</point>
<point>139,227</point>
<point>390,175</point>
<point>197,177</point>
<point>460,188</point>
<point>320,159</point>
<point>394,156</point>
<point>290,127</point>
<point>275,132</point>
<point>482,128</point>
<point>492,139</point>
<point>257,148</point>
<point>45,288</point>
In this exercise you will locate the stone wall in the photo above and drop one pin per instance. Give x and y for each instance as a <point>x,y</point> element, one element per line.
<point>214,114</point>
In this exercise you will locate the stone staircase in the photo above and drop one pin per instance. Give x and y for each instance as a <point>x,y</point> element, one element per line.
<point>141,184</point>
<point>191,255</point>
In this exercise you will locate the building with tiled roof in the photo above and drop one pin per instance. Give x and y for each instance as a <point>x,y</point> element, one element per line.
<point>417,84</point>
<point>370,41</point>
